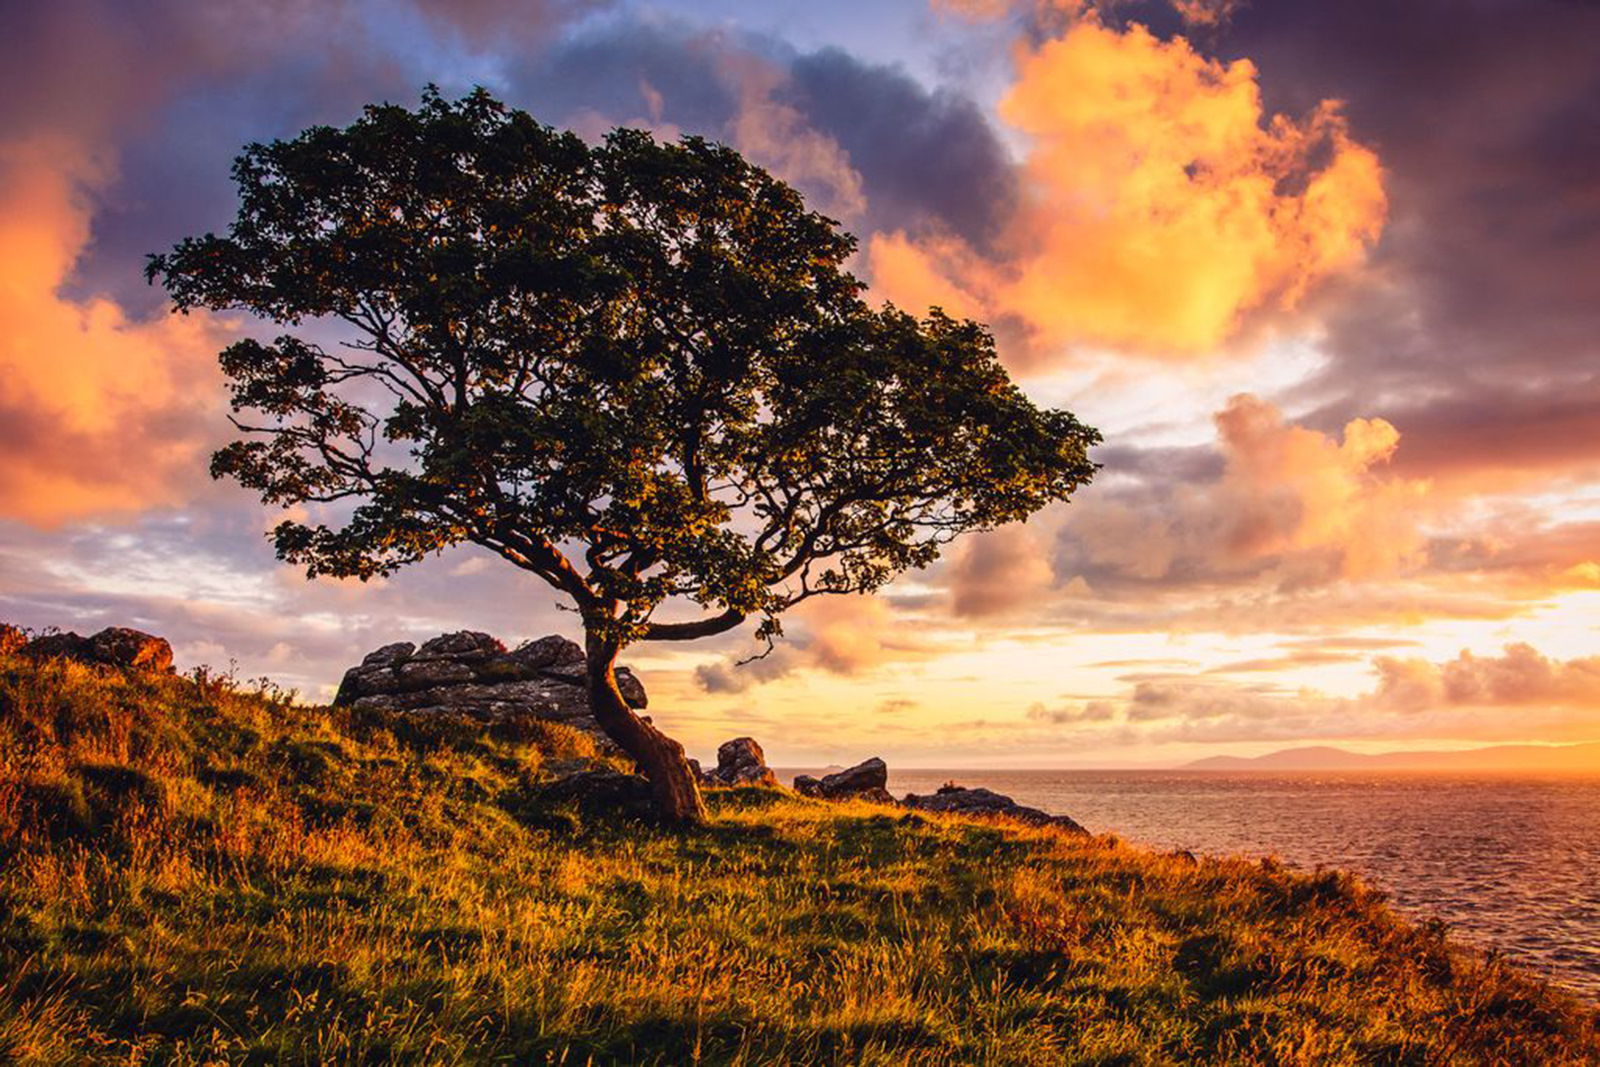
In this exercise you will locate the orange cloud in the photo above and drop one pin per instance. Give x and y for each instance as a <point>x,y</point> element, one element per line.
<point>1162,207</point>
<point>1303,506</point>
<point>974,9</point>
<point>1520,695</point>
<point>98,414</point>
<point>1523,676</point>
<point>999,572</point>
<point>841,635</point>
<point>1206,12</point>
<point>1193,12</point>
<point>1291,489</point>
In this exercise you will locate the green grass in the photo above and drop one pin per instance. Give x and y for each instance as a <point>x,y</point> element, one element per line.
<point>194,874</point>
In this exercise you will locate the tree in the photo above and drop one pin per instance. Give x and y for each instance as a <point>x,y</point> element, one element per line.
<point>636,370</point>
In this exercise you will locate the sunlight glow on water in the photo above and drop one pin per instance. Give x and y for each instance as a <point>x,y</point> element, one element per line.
<point>1511,863</point>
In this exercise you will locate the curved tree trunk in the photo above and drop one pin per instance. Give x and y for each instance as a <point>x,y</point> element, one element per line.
<point>676,794</point>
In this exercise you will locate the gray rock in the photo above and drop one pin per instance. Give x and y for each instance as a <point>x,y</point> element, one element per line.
<point>985,802</point>
<point>864,776</point>
<point>552,651</point>
<point>467,645</point>
<point>431,673</point>
<point>389,655</point>
<point>741,762</point>
<point>807,785</point>
<point>632,689</point>
<point>366,681</point>
<point>470,677</point>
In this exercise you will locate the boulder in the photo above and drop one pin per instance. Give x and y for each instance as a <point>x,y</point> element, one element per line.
<point>865,777</point>
<point>115,646</point>
<point>599,785</point>
<point>632,689</point>
<point>390,655</point>
<point>470,676</point>
<point>867,780</point>
<point>740,762</point>
<point>985,802</point>
<point>601,791</point>
<point>552,651</point>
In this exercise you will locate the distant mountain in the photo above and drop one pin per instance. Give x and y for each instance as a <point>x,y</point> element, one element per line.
<point>1555,759</point>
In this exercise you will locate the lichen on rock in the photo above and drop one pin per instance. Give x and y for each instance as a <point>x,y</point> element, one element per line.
<point>471,675</point>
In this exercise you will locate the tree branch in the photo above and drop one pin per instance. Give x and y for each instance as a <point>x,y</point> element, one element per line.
<point>690,631</point>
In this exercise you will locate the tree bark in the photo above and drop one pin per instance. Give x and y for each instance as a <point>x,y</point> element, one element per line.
<point>672,783</point>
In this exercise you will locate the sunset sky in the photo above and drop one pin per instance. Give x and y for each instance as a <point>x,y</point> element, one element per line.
<point>1325,275</point>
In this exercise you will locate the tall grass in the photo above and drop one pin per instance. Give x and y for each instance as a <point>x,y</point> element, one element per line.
<point>191,873</point>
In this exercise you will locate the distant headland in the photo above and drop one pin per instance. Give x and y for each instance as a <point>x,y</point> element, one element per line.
<point>1503,759</point>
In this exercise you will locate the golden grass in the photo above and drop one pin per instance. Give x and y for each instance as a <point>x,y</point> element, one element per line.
<point>194,874</point>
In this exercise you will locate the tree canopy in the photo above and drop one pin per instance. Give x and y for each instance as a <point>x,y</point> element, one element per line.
<point>637,370</point>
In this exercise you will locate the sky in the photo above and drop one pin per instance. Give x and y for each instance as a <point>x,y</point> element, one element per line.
<point>1326,277</point>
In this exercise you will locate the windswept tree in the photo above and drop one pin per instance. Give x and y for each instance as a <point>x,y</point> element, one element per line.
<point>636,370</point>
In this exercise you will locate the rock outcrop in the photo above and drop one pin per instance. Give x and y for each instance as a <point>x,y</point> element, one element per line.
<point>471,675</point>
<point>115,646</point>
<point>867,780</point>
<point>739,762</point>
<point>964,801</point>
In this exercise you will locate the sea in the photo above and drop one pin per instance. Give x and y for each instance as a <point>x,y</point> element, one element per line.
<point>1511,864</point>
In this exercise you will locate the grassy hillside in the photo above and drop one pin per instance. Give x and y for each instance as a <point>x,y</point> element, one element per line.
<point>194,874</point>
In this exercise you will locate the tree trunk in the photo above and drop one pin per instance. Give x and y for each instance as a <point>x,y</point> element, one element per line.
<point>672,783</point>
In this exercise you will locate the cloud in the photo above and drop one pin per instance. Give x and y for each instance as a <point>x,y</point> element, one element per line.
<point>1520,694</point>
<point>1089,711</point>
<point>1161,208</point>
<point>108,405</point>
<point>1474,327</point>
<point>928,158</point>
<point>98,414</point>
<point>1291,661</point>
<point>1478,439</point>
<point>863,140</point>
<point>777,136</point>
<point>1191,710</point>
<point>840,635</point>
<point>1291,504</point>
<point>490,24</point>
<point>1206,12</point>
<point>1457,353</point>
<point>1524,550</point>
<point>975,9</point>
<point>1202,13</point>
<point>737,675</point>
<point>1292,489</point>
<point>998,572</point>
<point>1522,676</point>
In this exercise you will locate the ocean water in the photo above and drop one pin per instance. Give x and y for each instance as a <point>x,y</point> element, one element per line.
<point>1510,863</point>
